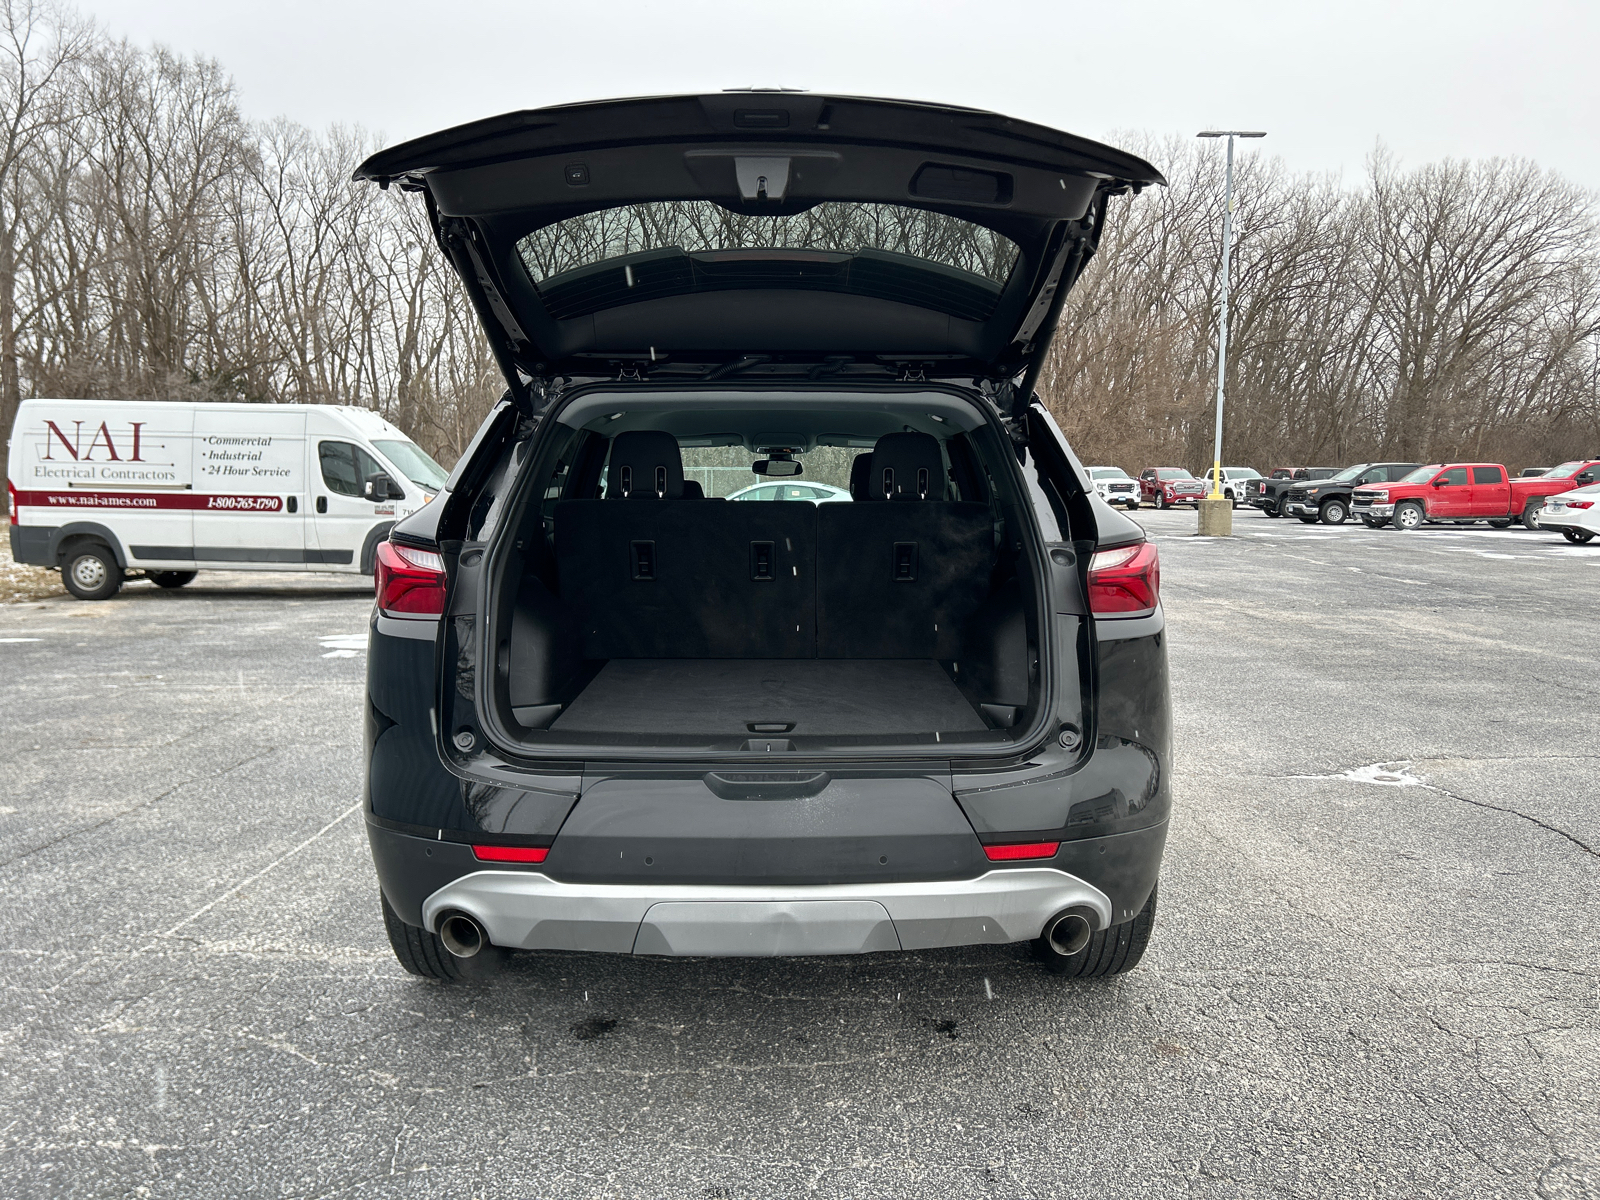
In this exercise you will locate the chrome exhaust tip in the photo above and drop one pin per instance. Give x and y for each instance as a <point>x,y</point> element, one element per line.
<point>461,934</point>
<point>1068,933</point>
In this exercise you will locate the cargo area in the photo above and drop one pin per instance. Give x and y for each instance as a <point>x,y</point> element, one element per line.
<point>769,698</point>
<point>637,609</point>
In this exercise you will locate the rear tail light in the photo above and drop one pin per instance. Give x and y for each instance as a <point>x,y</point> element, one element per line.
<point>1021,850</point>
<point>1125,582</point>
<point>11,495</point>
<point>511,854</point>
<point>409,582</point>
<point>1568,503</point>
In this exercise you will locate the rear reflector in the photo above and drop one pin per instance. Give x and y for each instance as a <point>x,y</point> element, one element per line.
<point>408,582</point>
<point>1125,582</point>
<point>1021,850</point>
<point>516,854</point>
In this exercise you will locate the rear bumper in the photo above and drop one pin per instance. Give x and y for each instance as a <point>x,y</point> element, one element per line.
<point>34,544</point>
<point>529,911</point>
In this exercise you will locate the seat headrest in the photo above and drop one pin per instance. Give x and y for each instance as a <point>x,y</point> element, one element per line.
<point>860,468</point>
<point>645,465</point>
<point>906,466</point>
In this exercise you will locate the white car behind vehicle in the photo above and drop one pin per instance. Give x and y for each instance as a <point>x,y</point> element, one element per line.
<point>1576,513</point>
<point>1234,480</point>
<point>1115,486</point>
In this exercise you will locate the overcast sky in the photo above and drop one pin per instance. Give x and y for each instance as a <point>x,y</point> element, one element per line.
<point>1327,81</point>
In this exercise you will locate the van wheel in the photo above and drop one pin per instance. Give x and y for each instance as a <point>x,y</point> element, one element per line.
<point>1408,516</point>
<point>90,571</point>
<point>1577,537</point>
<point>172,579</point>
<point>422,953</point>
<point>1109,952</point>
<point>1532,515</point>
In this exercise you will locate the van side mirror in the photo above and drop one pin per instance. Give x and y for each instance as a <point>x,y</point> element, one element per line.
<point>380,488</point>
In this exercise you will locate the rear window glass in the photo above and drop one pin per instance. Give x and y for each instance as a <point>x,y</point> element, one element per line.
<point>1487,475</point>
<point>642,251</point>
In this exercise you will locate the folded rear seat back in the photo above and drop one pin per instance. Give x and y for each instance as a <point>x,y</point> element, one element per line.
<point>901,579</point>
<point>690,579</point>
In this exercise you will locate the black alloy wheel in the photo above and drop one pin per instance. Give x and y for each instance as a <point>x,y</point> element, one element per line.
<point>1334,512</point>
<point>91,572</point>
<point>172,579</point>
<point>1578,537</point>
<point>1408,515</point>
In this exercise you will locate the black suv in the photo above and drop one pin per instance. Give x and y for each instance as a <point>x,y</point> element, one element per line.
<point>1328,500</point>
<point>1267,494</point>
<point>609,710</point>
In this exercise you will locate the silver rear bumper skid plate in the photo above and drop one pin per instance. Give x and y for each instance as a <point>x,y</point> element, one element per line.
<point>527,911</point>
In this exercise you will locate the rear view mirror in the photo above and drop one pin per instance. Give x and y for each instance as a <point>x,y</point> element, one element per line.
<point>779,467</point>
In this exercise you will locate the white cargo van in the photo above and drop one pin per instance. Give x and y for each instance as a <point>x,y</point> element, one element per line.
<point>101,488</point>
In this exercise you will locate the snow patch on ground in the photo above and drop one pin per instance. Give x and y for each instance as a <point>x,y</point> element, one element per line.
<point>1394,774</point>
<point>343,645</point>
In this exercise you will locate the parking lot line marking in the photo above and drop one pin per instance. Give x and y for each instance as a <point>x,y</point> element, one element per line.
<point>204,909</point>
<point>13,641</point>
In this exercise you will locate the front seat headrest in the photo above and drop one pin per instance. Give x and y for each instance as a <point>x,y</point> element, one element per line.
<point>906,466</point>
<point>860,465</point>
<point>645,465</point>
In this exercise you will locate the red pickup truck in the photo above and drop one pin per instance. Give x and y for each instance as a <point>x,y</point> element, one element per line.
<point>1461,493</point>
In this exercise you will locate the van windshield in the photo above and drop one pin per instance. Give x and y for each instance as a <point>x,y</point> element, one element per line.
<point>413,463</point>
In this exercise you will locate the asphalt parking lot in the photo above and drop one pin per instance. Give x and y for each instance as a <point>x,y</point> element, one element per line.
<point>1375,969</point>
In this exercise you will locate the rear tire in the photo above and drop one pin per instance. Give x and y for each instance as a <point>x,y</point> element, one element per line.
<point>1500,523</point>
<point>422,953</point>
<point>1373,523</point>
<point>1334,512</point>
<point>1308,520</point>
<point>172,579</point>
<point>1531,515</point>
<point>91,572</point>
<point>1578,537</point>
<point>1271,510</point>
<point>1109,952</point>
<point>1408,516</point>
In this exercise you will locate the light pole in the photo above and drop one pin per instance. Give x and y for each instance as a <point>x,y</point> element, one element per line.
<point>1222,327</point>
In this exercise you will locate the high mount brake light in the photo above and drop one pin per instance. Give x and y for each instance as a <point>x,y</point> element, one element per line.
<point>409,582</point>
<point>1125,582</point>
